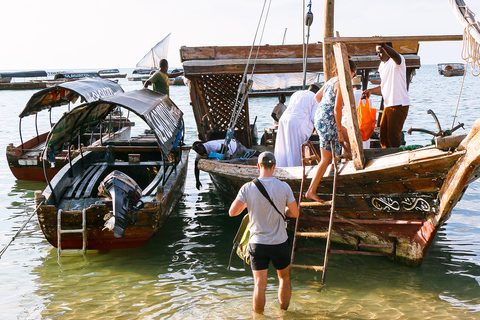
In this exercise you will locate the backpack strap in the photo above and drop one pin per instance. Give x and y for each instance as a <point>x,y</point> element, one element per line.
<point>265,194</point>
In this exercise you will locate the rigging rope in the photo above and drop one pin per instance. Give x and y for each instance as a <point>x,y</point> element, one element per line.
<point>308,22</point>
<point>245,86</point>
<point>459,96</point>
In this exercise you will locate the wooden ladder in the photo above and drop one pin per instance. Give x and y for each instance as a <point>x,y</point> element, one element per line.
<point>83,231</point>
<point>333,215</point>
<point>301,205</point>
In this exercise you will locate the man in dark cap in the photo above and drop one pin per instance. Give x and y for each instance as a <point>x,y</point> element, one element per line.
<point>268,235</point>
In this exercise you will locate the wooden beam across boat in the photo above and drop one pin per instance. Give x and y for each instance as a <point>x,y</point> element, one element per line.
<point>393,39</point>
<point>225,60</point>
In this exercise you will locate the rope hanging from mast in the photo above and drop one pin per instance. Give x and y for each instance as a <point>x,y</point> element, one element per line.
<point>308,23</point>
<point>471,35</point>
<point>245,86</point>
<point>471,48</point>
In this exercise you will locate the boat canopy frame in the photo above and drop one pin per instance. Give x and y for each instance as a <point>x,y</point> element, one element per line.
<point>87,90</point>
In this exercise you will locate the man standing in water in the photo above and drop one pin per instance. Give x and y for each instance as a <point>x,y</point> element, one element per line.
<point>161,79</point>
<point>393,88</point>
<point>268,235</point>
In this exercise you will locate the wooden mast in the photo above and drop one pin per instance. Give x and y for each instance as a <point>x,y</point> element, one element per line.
<point>328,32</point>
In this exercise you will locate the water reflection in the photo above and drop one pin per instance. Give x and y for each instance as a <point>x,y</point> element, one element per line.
<point>181,274</point>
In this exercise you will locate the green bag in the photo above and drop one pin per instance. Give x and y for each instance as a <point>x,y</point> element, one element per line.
<point>242,247</point>
<point>241,241</point>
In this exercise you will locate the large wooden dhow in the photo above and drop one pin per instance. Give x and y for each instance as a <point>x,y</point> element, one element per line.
<point>387,201</point>
<point>116,195</point>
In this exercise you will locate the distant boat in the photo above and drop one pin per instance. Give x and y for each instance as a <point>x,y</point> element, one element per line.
<point>23,80</point>
<point>151,60</point>
<point>180,80</point>
<point>375,78</point>
<point>451,69</point>
<point>111,73</point>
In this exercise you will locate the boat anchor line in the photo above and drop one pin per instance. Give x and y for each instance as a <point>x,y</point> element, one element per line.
<point>415,204</point>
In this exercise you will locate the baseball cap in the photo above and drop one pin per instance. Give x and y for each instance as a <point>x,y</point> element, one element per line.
<point>266,157</point>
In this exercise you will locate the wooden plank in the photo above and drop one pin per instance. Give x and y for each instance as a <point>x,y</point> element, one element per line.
<point>394,39</point>
<point>291,65</point>
<point>295,51</point>
<point>354,136</point>
<point>243,52</point>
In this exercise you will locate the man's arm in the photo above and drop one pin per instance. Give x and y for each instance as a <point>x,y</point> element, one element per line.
<point>197,173</point>
<point>292,210</point>
<point>147,83</point>
<point>368,92</point>
<point>236,208</point>
<point>391,53</point>
<point>274,116</point>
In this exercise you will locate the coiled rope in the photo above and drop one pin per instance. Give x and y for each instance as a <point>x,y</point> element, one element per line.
<point>471,50</point>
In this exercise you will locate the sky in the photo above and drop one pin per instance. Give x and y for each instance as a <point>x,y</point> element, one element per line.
<point>99,34</point>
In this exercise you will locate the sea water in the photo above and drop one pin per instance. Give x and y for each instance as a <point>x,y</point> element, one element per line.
<point>182,272</point>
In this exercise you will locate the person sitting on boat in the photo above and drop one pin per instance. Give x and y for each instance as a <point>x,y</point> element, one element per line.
<point>393,88</point>
<point>211,149</point>
<point>295,127</point>
<point>268,235</point>
<point>279,109</point>
<point>328,122</point>
<point>161,79</point>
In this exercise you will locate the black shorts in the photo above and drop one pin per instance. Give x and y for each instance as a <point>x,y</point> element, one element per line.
<point>262,254</point>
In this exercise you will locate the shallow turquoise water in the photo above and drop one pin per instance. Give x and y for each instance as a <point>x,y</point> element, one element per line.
<point>181,273</point>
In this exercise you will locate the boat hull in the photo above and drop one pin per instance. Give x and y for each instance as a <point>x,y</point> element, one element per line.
<point>157,208</point>
<point>393,206</point>
<point>25,161</point>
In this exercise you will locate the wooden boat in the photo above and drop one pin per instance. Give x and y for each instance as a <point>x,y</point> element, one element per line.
<point>35,80</point>
<point>25,160</point>
<point>141,179</point>
<point>375,78</point>
<point>151,61</point>
<point>451,69</point>
<point>388,201</point>
<point>111,73</point>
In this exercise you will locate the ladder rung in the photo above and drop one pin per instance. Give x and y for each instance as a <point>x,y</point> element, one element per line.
<point>308,267</point>
<point>71,231</point>
<point>311,158</point>
<point>315,204</point>
<point>312,234</point>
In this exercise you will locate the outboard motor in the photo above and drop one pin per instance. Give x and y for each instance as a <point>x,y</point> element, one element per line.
<point>125,194</point>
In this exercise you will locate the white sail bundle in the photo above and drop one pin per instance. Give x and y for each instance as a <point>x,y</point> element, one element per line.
<point>152,59</point>
<point>272,81</point>
<point>471,34</point>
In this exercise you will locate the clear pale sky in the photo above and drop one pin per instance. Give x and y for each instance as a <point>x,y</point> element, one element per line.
<point>95,34</point>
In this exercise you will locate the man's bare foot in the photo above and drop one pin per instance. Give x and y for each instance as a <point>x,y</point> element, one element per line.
<point>313,196</point>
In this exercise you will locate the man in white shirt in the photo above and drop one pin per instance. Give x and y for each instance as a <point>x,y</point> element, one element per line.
<point>393,88</point>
